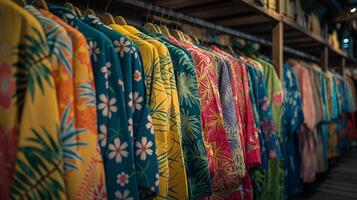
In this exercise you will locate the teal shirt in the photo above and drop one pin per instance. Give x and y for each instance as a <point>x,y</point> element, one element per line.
<point>137,107</point>
<point>117,148</point>
<point>196,163</point>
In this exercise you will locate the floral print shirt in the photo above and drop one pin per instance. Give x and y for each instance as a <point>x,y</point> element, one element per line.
<point>178,187</point>
<point>293,118</point>
<point>30,137</point>
<point>138,112</point>
<point>91,183</point>
<point>116,147</point>
<point>198,177</point>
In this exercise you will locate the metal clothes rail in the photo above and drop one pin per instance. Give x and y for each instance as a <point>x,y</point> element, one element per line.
<point>177,15</point>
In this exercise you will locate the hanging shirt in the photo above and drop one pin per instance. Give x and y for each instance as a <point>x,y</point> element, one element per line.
<point>196,164</point>
<point>138,112</point>
<point>86,119</point>
<point>159,106</point>
<point>177,173</point>
<point>223,172</point>
<point>306,92</point>
<point>293,118</point>
<point>276,167</point>
<point>30,137</point>
<point>116,148</point>
<point>228,94</point>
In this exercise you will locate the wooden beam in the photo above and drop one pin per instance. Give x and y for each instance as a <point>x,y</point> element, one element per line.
<point>277,47</point>
<point>324,58</point>
<point>254,19</point>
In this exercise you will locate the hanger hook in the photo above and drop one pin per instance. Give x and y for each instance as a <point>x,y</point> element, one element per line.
<point>88,4</point>
<point>106,7</point>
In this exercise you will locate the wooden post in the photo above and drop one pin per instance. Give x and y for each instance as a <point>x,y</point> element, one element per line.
<point>343,66</point>
<point>278,42</point>
<point>324,58</point>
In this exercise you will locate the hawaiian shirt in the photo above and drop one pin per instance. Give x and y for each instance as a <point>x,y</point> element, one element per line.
<point>198,177</point>
<point>116,147</point>
<point>30,136</point>
<point>138,112</point>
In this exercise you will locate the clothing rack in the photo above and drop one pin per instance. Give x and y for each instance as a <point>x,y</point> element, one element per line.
<point>178,15</point>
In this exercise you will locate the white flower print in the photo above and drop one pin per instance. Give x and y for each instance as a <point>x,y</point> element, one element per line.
<point>130,103</point>
<point>106,71</point>
<point>157,180</point>
<point>108,106</point>
<point>137,76</point>
<point>130,124</point>
<point>149,124</point>
<point>118,150</point>
<point>133,51</point>
<point>122,179</point>
<point>103,135</point>
<point>123,196</point>
<point>69,15</point>
<point>143,148</point>
<point>93,50</point>
<point>122,46</point>
<point>121,83</point>
<point>137,101</point>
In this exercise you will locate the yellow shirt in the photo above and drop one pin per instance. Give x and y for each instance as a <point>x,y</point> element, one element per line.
<point>158,103</point>
<point>29,116</point>
<point>177,174</point>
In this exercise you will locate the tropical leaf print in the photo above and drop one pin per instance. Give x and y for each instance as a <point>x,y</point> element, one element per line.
<point>70,144</point>
<point>187,92</point>
<point>32,55</point>
<point>42,160</point>
<point>86,93</point>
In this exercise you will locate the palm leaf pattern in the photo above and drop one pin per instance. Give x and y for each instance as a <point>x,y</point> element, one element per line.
<point>86,93</point>
<point>43,159</point>
<point>70,144</point>
<point>196,163</point>
<point>31,55</point>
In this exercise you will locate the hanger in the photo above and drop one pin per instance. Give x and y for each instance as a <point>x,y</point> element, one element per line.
<point>70,6</point>
<point>151,27</point>
<point>40,4</point>
<point>165,31</point>
<point>21,3</point>
<point>187,37</point>
<point>177,35</point>
<point>107,18</point>
<point>89,11</point>
<point>120,20</point>
<point>78,11</point>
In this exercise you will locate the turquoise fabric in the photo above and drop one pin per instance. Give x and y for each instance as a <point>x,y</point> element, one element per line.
<point>117,149</point>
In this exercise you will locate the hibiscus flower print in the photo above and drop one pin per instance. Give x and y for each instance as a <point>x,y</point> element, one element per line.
<point>118,150</point>
<point>278,98</point>
<point>137,76</point>
<point>122,179</point>
<point>7,85</point>
<point>130,124</point>
<point>107,106</point>
<point>123,196</point>
<point>121,46</point>
<point>149,124</point>
<point>143,148</point>
<point>93,50</point>
<point>103,133</point>
<point>137,101</point>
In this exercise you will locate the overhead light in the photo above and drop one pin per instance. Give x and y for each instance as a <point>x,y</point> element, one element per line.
<point>353,10</point>
<point>346,40</point>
